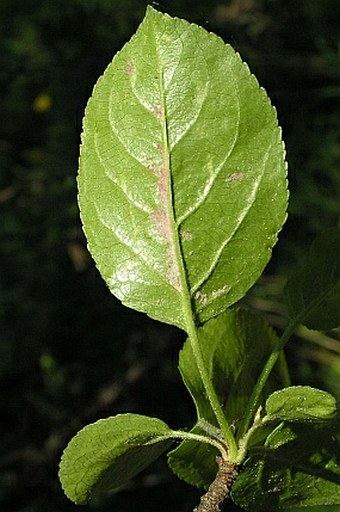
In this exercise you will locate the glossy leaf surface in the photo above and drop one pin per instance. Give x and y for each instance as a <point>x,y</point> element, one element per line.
<point>106,454</point>
<point>314,290</point>
<point>235,346</point>
<point>301,403</point>
<point>182,180</point>
<point>298,467</point>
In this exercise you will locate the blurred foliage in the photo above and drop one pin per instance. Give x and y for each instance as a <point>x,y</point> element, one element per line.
<point>69,352</point>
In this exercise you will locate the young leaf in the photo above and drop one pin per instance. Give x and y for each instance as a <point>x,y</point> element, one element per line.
<point>106,454</point>
<point>234,361</point>
<point>301,403</point>
<point>298,467</point>
<point>194,462</point>
<point>235,346</point>
<point>313,292</point>
<point>182,179</point>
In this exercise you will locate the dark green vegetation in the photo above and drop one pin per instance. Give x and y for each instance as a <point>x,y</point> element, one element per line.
<point>69,352</point>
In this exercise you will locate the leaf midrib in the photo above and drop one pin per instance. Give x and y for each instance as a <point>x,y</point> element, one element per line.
<point>188,318</point>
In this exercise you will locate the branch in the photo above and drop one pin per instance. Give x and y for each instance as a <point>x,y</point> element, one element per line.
<point>218,491</point>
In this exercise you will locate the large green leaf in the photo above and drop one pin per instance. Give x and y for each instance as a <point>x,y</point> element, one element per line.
<point>298,467</point>
<point>182,180</point>
<point>235,346</point>
<point>106,454</point>
<point>301,403</point>
<point>313,292</point>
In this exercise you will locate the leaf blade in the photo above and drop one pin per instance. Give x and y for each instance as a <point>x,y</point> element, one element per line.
<point>106,454</point>
<point>301,403</point>
<point>313,291</point>
<point>167,230</point>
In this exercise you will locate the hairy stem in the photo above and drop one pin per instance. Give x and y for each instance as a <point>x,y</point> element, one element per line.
<point>219,489</point>
<point>222,448</point>
<point>210,391</point>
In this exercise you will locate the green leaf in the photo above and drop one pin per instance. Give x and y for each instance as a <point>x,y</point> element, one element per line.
<point>301,403</point>
<point>235,346</point>
<point>313,292</point>
<point>106,454</point>
<point>194,462</point>
<point>298,467</point>
<point>182,179</point>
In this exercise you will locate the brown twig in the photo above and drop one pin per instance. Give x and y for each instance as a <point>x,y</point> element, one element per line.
<point>219,489</point>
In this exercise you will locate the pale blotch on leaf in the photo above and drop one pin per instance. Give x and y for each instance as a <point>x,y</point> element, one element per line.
<point>201,297</point>
<point>161,217</point>
<point>186,236</point>
<point>160,147</point>
<point>157,110</point>
<point>235,176</point>
<point>160,220</point>
<point>152,166</point>
<point>221,291</point>
<point>130,69</point>
<point>204,299</point>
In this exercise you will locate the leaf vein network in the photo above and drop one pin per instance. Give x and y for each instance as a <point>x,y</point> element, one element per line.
<point>123,241</point>
<point>210,182</point>
<point>242,217</point>
<point>109,176</point>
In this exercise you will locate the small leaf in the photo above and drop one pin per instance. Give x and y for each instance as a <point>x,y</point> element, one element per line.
<point>301,403</point>
<point>313,292</point>
<point>182,179</point>
<point>106,454</point>
<point>298,467</point>
<point>234,361</point>
<point>194,462</point>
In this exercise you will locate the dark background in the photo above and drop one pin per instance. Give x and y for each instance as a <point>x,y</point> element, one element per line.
<point>69,352</point>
